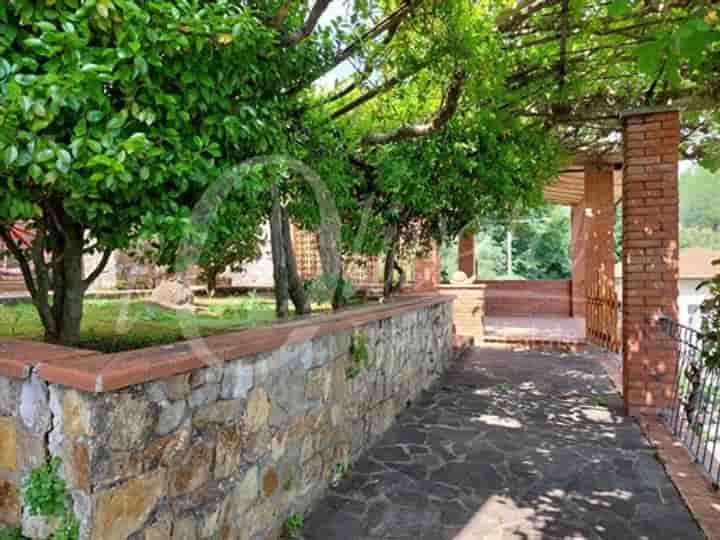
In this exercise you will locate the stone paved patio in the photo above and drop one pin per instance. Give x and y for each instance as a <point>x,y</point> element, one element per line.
<point>514,445</point>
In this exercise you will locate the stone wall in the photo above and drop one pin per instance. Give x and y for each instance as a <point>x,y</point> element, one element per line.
<point>230,449</point>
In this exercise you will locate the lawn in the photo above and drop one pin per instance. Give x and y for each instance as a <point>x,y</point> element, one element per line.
<point>125,324</point>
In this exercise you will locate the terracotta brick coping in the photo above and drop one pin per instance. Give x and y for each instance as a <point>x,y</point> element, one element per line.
<point>483,284</point>
<point>694,486</point>
<point>96,372</point>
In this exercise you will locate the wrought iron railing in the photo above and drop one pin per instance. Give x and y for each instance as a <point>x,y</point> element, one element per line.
<point>694,411</point>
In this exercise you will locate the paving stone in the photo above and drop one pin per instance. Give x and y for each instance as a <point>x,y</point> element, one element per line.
<point>510,445</point>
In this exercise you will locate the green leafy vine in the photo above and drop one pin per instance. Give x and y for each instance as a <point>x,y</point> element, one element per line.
<point>45,494</point>
<point>359,354</point>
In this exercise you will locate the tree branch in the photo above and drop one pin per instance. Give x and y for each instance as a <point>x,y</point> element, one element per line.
<point>307,28</point>
<point>441,117</point>
<point>99,269</point>
<point>522,12</point>
<point>21,259</point>
<point>280,15</point>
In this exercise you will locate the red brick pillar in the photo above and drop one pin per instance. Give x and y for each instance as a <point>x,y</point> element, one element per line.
<point>466,254</point>
<point>599,222</point>
<point>577,252</point>
<point>427,271</point>
<point>650,256</point>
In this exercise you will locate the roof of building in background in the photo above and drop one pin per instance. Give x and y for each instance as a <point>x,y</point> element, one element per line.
<point>695,263</point>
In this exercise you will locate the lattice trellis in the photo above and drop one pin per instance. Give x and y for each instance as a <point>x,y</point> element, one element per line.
<point>603,309</point>
<point>360,271</point>
<point>307,253</point>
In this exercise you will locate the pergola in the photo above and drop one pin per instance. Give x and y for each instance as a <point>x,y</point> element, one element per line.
<point>645,177</point>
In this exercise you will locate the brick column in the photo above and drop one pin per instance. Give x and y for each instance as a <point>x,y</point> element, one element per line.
<point>599,222</point>
<point>577,252</point>
<point>650,256</point>
<point>466,254</point>
<point>427,271</point>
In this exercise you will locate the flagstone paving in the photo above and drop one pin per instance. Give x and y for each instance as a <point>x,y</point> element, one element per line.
<point>509,444</point>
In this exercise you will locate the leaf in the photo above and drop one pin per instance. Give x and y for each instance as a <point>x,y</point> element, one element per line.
<point>64,156</point>
<point>34,43</point>
<point>10,155</point>
<point>118,120</point>
<point>45,155</point>
<point>618,8</point>
<point>24,79</point>
<point>95,116</point>
<point>649,57</point>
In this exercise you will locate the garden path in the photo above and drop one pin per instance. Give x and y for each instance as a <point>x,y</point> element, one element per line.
<point>509,444</point>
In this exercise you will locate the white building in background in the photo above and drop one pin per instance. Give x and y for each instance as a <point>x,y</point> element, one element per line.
<point>258,273</point>
<point>695,267</point>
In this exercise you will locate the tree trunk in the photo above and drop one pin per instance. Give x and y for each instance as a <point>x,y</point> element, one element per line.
<point>339,300</point>
<point>211,282</point>
<point>331,258</point>
<point>295,285</point>
<point>56,235</point>
<point>280,272</point>
<point>392,239</point>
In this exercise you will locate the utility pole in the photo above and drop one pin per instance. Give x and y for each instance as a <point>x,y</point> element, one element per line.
<point>509,240</point>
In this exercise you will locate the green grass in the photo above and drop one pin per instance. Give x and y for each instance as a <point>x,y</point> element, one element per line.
<point>124,324</point>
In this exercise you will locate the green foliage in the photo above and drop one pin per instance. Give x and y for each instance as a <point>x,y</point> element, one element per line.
<point>11,533</point>
<point>119,325</point>
<point>704,238</point>
<point>68,528</point>
<point>322,288</point>
<point>541,246</point>
<point>710,309</point>
<point>699,193</point>
<point>294,526</point>
<point>44,494</point>
<point>44,490</point>
<point>359,355</point>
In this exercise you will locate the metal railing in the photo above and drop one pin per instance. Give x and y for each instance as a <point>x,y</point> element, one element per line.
<point>694,411</point>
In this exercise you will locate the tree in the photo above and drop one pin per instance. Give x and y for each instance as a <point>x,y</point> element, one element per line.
<point>236,240</point>
<point>699,193</point>
<point>118,115</point>
<point>115,117</point>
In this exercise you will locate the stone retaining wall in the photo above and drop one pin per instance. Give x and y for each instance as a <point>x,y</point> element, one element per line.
<point>226,450</point>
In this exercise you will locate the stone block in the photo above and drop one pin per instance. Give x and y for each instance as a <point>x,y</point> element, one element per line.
<point>76,415</point>
<point>9,389</point>
<point>258,409</point>
<point>203,395</point>
<point>8,449</point>
<point>170,417</point>
<point>10,509</point>
<point>178,387</point>
<point>237,380</point>
<point>219,412</point>
<point>248,488</point>
<point>39,527</point>
<point>121,511</point>
<point>230,449</point>
<point>193,472</point>
<point>185,529</point>
<point>127,420</point>
<point>161,529</point>
<point>317,384</point>
<point>34,406</point>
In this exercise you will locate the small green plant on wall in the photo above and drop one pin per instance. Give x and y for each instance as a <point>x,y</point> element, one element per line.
<point>294,527</point>
<point>359,355</point>
<point>44,494</point>
<point>11,533</point>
